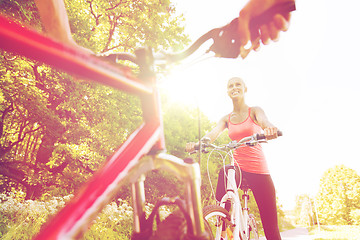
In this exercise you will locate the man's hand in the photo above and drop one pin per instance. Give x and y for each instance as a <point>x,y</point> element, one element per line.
<point>265,32</point>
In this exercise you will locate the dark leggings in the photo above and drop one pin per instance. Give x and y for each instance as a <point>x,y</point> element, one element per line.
<point>263,189</point>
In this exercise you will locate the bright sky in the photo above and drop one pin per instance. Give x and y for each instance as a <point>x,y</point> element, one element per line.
<point>308,84</point>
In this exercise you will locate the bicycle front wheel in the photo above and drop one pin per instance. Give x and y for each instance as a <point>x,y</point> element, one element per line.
<point>253,231</point>
<point>217,220</point>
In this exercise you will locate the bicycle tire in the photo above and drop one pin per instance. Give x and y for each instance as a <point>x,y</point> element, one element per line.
<point>174,227</point>
<point>253,231</point>
<point>215,218</point>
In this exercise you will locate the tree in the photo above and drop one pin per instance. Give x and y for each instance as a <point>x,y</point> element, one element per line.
<point>56,130</point>
<point>304,210</point>
<point>339,196</point>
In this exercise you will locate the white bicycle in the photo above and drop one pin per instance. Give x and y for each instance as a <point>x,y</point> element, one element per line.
<point>238,223</point>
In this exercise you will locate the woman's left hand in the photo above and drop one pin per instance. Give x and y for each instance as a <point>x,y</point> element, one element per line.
<point>271,133</point>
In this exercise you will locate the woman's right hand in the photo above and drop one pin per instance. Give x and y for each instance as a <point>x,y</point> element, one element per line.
<point>190,147</point>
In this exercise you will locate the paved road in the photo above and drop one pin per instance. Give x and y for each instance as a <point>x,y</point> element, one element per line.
<point>294,234</point>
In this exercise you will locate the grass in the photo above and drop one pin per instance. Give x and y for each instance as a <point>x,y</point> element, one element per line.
<point>22,219</point>
<point>330,232</point>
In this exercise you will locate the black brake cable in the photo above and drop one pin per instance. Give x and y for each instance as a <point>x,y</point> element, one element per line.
<point>184,67</point>
<point>200,59</point>
<point>199,129</point>
<point>197,60</point>
<point>194,61</point>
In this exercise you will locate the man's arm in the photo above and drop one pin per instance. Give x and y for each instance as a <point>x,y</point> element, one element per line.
<point>55,20</point>
<point>268,31</point>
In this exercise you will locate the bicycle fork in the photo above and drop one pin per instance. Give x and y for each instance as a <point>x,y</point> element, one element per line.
<point>239,215</point>
<point>245,212</point>
<point>188,172</point>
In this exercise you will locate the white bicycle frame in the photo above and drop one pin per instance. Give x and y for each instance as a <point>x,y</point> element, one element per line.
<point>238,217</point>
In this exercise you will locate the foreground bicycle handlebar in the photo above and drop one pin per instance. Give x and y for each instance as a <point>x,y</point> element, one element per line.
<point>226,42</point>
<point>226,39</point>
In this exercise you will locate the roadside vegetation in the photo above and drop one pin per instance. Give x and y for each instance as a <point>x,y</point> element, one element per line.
<point>334,232</point>
<point>334,213</point>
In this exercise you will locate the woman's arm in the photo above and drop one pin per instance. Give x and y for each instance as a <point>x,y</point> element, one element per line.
<point>261,119</point>
<point>213,134</point>
<point>218,129</point>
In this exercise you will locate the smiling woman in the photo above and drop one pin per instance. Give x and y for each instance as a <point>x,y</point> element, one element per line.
<point>242,122</point>
<point>236,88</point>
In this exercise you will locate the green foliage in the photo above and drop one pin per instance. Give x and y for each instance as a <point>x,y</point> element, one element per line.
<point>181,126</point>
<point>104,26</point>
<point>284,222</point>
<point>305,210</point>
<point>22,219</point>
<point>114,222</point>
<point>55,130</point>
<point>355,216</point>
<point>23,11</point>
<point>332,232</point>
<point>339,196</point>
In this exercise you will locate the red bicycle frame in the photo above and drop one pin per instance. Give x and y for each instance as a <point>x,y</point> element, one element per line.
<point>72,220</point>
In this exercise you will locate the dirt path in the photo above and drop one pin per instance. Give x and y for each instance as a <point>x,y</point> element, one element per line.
<point>294,234</point>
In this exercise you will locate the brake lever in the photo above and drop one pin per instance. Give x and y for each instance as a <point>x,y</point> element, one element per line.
<point>227,39</point>
<point>233,144</point>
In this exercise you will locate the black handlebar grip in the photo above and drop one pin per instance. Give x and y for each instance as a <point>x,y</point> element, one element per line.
<point>197,146</point>
<point>262,136</point>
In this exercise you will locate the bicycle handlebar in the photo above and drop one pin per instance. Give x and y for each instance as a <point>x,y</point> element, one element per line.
<point>262,136</point>
<point>250,141</point>
<point>226,39</point>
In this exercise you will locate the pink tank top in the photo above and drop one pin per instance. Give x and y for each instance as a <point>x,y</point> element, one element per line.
<point>249,159</point>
